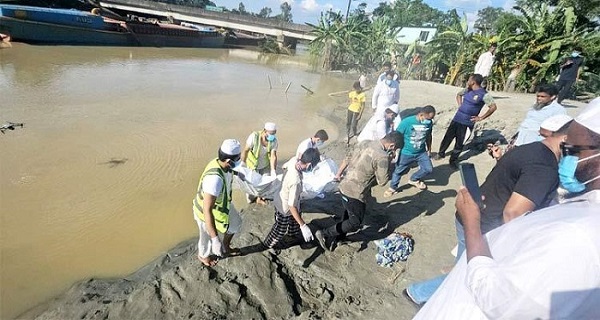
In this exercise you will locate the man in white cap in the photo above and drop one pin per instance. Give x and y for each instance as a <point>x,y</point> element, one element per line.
<point>213,210</point>
<point>548,127</point>
<point>379,125</point>
<point>260,153</point>
<point>525,179</point>
<point>545,107</point>
<point>543,265</point>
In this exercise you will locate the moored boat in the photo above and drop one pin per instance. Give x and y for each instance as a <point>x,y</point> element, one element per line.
<point>73,27</point>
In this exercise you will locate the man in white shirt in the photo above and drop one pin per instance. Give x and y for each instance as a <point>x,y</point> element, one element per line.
<point>387,66</point>
<point>544,265</point>
<point>385,93</point>
<point>315,142</point>
<point>485,61</point>
<point>379,125</point>
<point>545,107</point>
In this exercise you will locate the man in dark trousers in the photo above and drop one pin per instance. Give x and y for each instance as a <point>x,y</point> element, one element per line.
<point>569,74</point>
<point>470,100</point>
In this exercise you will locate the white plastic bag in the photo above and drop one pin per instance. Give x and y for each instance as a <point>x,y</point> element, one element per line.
<point>257,185</point>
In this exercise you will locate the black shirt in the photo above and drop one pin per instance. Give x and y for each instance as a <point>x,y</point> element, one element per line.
<point>530,170</point>
<point>569,72</point>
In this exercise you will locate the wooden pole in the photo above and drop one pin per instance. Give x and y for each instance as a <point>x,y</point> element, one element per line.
<point>288,87</point>
<point>269,78</point>
<point>307,89</point>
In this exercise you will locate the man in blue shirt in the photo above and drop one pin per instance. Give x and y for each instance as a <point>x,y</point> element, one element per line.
<point>470,100</point>
<point>416,136</point>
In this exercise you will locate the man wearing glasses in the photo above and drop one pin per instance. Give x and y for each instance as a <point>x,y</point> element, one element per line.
<point>540,266</point>
<point>523,180</point>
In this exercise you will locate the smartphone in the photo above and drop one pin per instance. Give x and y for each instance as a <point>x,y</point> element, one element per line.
<point>469,180</point>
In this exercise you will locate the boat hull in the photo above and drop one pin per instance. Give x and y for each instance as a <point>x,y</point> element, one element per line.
<point>71,27</point>
<point>49,33</point>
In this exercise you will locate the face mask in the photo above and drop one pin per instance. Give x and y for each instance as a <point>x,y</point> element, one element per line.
<point>270,137</point>
<point>426,121</point>
<point>309,168</point>
<point>566,173</point>
<point>388,82</point>
<point>575,54</point>
<point>318,143</point>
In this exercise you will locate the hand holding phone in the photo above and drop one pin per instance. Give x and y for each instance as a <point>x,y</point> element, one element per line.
<point>469,180</point>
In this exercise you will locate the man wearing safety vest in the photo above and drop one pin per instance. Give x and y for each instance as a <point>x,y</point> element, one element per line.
<point>213,210</point>
<point>260,153</point>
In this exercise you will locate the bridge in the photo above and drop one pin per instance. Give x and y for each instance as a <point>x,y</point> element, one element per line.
<point>287,34</point>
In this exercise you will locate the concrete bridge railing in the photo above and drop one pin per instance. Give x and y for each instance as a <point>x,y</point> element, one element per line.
<point>282,27</point>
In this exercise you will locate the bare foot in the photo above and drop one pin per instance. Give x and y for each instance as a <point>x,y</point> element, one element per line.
<point>208,261</point>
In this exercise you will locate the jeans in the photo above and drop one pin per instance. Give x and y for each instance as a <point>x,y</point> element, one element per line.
<point>425,168</point>
<point>422,291</point>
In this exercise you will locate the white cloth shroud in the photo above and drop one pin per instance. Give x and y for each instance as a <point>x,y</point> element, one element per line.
<point>314,183</point>
<point>256,184</point>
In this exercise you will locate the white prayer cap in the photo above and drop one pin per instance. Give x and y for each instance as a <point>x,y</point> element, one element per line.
<point>394,108</point>
<point>231,147</point>
<point>556,122</point>
<point>589,117</point>
<point>270,126</point>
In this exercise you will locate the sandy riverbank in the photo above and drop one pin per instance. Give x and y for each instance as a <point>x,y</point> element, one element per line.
<point>308,283</point>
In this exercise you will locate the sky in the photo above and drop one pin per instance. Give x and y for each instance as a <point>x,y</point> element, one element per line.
<point>309,10</point>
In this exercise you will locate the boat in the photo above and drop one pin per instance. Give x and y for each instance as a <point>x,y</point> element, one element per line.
<point>38,25</point>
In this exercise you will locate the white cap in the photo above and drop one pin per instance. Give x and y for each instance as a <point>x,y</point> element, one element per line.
<point>270,126</point>
<point>589,117</point>
<point>231,147</point>
<point>556,122</point>
<point>394,108</point>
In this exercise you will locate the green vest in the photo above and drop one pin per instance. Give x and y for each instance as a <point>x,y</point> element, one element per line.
<point>220,210</point>
<point>252,160</point>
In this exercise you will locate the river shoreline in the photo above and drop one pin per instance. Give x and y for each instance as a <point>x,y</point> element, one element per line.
<point>307,283</point>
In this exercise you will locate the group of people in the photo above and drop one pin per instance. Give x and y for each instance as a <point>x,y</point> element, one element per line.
<point>525,250</point>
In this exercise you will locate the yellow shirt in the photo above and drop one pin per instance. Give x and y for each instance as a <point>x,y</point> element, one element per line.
<point>357,101</point>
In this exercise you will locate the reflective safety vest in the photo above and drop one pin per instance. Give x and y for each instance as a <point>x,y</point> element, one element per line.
<point>220,209</point>
<point>252,160</point>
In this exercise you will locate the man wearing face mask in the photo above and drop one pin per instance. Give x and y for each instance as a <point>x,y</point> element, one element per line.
<point>368,165</point>
<point>545,107</point>
<point>213,210</point>
<point>288,220</point>
<point>570,71</point>
<point>543,265</point>
<point>385,94</point>
<point>315,142</point>
<point>416,137</point>
<point>523,180</point>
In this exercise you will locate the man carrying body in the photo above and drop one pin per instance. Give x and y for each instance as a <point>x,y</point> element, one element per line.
<point>315,142</point>
<point>525,179</point>
<point>260,153</point>
<point>416,134</point>
<point>470,101</point>
<point>213,210</point>
<point>569,74</point>
<point>288,220</point>
<point>379,125</point>
<point>385,94</point>
<point>368,164</point>
<point>545,107</point>
<point>540,266</point>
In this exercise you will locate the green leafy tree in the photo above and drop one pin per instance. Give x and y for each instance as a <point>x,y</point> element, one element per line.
<point>487,19</point>
<point>265,12</point>
<point>286,12</point>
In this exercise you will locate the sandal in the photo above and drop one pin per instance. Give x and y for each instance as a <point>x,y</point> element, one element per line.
<point>389,192</point>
